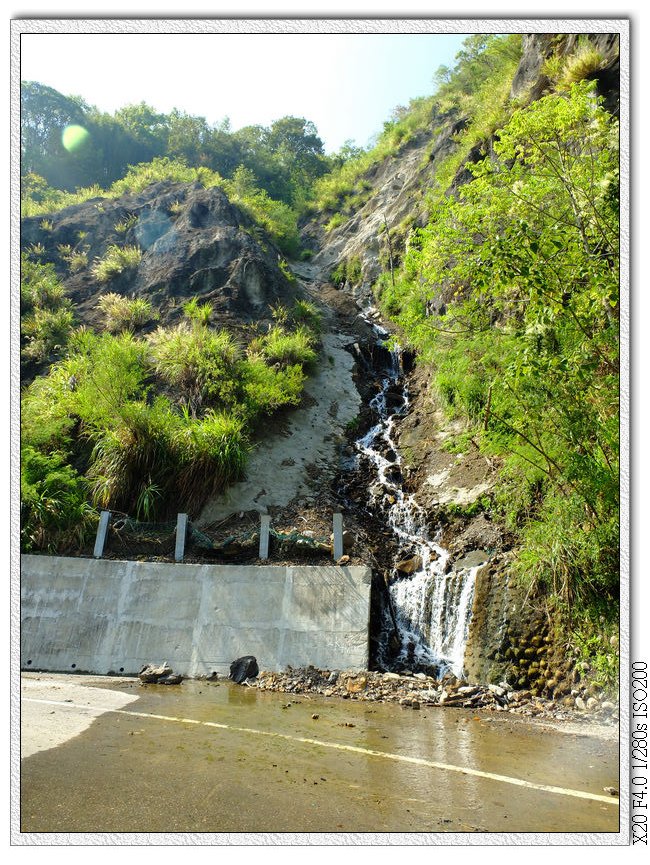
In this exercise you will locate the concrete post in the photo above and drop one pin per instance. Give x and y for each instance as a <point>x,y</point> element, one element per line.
<point>337,521</point>
<point>102,529</point>
<point>181,531</point>
<point>265,527</point>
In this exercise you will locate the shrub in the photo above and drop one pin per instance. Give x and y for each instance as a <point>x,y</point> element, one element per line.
<point>39,286</point>
<point>212,453</point>
<point>197,360</point>
<point>586,60</point>
<point>46,331</point>
<point>284,348</point>
<point>128,222</point>
<point>305,312</point>
<point>267,389</point>
<point>197,312</point>
<point>55,514</point>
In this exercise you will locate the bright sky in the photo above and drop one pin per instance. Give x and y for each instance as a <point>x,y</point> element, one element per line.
<point>347,84</point>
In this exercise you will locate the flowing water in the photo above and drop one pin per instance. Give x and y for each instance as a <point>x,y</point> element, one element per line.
<point>429,610</point>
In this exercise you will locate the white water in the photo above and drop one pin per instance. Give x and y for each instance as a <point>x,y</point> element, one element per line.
<point>431,608</point>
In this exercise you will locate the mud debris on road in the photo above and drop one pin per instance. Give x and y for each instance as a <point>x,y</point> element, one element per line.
<point>414,690</point>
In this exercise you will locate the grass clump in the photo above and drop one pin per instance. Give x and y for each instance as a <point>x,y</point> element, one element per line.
<point>47,317</point>
<point>285,348</point>
<point>116,260</point>
<point>125,224</point>
<point>124,313</point>
<point>198,362</point>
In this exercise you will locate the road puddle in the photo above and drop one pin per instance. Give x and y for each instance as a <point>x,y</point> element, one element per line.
<point>217,757</point>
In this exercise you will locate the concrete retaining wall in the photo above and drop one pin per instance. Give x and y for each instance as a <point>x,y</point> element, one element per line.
<point>99,615</point>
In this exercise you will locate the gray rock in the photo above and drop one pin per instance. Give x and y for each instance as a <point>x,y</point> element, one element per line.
<point>150,673</point>
<point>171,679</point>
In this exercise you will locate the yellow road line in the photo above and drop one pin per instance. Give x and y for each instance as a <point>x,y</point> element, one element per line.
<point>386,755</point>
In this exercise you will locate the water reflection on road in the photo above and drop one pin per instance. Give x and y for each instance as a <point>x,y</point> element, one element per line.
<point>217,757</point>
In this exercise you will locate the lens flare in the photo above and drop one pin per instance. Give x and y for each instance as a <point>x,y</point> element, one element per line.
<point>73,137</point>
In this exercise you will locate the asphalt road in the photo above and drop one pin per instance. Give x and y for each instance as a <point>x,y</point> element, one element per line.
<point>108,755</point>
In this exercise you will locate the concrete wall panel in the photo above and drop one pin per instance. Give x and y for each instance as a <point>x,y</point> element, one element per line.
<point>110,616</point>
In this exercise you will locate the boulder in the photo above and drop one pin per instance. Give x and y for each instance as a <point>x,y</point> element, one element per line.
<point>151,674</point>
<point>244,668</point>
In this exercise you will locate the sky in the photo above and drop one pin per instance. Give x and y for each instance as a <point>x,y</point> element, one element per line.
<point>347,84</point>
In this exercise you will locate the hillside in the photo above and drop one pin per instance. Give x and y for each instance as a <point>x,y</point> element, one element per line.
<point>441,363</point>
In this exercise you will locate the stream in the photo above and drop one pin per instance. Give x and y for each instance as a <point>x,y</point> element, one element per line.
<point>427,611</point>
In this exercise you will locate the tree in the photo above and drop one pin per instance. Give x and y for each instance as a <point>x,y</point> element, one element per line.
<point>44,115</point>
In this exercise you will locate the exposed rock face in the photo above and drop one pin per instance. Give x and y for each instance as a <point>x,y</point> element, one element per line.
<point>530,82</point>
<point>193,242</point>
<point>397,196</point>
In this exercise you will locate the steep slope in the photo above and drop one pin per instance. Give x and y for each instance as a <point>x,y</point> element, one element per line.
<point>441,466</point>
<point>194,242</point>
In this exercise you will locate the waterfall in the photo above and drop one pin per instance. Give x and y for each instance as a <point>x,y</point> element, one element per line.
<point>431,606</point>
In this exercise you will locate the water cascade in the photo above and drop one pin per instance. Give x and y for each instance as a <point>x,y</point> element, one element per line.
<point>430,602</point>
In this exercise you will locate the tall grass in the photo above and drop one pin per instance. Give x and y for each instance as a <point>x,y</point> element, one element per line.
<point>124,313</point>
<point>116,260</point>
<point>279,346</point>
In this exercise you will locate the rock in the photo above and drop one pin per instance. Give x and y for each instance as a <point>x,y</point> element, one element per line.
<point>355,686</point>
<point>611,790</point>
<point>409,566</point>
<point>580,704</point>
<point>172,679</point>
<point>151,673</point>
<point>315,717</point>
<point>333,677</point>
<point>498,690</point>
<point>592,703</point>
<point>243,668</point>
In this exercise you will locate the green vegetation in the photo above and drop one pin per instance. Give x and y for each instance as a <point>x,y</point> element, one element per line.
<point>348,270</point>
<point>54,514</point>
<point>584,62</point>
<point>46,313</point>
<point>124,313</point>
<point>116,260</point>
<point>285,157</point>
<point>525,257</point>
<point>278,219</point>
<point>106,409</point>
<point>125,224</point>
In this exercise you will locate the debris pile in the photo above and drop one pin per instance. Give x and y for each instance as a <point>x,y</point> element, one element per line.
<point>415,690</point>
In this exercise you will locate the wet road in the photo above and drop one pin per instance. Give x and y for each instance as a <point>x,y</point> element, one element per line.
<point>110,755</point>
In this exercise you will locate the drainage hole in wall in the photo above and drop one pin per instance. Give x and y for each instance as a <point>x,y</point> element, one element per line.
<point>73,666</point>
<point>121,669</point>
<point>28,663</point>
